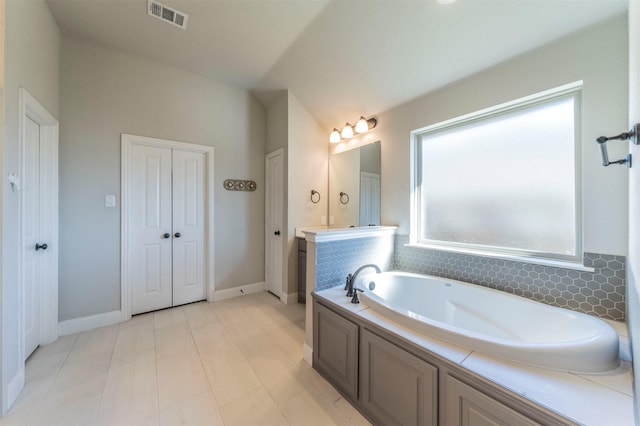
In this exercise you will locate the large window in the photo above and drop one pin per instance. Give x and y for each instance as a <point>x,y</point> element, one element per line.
<point>503,180</point>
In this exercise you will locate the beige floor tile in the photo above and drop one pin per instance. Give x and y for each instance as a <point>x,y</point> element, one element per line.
<point>200,313</point>
<point>289,338</point>
<point>80,372</point>
<point>22,413</point>
<point>277,372</point>
<point>180,376</point>
<point>40,374</point>
<point>303,410</point>
<point>139,412</point>
<point>230,375</point>
<point>63,345</point>
<point>94,342</point>
<point>75,405</point>
<point>174,339</point>
<point>132,381</point>
<point>167,317</point>
<point>351,413</point>
<point>249,338</point>
<point>197,410</point>
<point>210,338</point>
<point>239,360</point>
<point>133,341</point>
<point>254,408</point>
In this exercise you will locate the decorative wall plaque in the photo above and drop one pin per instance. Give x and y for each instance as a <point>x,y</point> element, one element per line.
<point>239,185</point>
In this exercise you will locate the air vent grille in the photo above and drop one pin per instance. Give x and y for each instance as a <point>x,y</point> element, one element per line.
<point>168,14</point>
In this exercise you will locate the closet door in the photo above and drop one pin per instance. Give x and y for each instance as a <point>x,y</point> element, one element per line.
<point>189,194</point>
<point>150,229</point>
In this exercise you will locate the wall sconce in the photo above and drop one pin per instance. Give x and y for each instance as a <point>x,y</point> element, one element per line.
<point>362,125</point>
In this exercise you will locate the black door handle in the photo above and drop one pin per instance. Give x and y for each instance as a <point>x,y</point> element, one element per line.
<point>276,233</point>
<point>41,246</point>
<point>177,235</point>
<point>166,235</point>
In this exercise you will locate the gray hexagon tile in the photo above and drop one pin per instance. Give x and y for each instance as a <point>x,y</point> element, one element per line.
<point>600,293</point>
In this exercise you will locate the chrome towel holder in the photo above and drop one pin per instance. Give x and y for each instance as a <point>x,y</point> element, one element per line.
<point>633,135</point>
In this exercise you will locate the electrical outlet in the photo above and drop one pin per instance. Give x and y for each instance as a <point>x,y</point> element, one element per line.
<point>323,220</point>
<point>331,220</point>
<point>109,200</point>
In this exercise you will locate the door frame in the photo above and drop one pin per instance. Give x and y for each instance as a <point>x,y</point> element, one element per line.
<point>127,143</point>
<point>30,108</point>
<point>284,287</point>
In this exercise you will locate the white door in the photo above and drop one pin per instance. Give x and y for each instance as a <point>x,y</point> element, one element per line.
<point>189,193</point>
<point>151,248</point>
<point>168,196</point>
<point>369,199</point>
<point>274,222</point>
<point>32,257</point>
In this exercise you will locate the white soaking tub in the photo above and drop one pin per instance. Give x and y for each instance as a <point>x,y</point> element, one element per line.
<point>494,322</point>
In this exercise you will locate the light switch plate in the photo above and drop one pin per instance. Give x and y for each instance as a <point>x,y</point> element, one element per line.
<point>109,200</point>
<point>323,220</point>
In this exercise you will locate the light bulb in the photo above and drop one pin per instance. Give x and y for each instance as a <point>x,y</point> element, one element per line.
<point>334,137</point>
<point>347,131</point>
<point>362,125</point>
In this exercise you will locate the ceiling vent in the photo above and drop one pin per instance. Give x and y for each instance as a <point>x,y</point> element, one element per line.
<point>168,14</point>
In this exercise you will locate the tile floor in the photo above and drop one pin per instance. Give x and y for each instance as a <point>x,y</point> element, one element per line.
<point>236,362</point>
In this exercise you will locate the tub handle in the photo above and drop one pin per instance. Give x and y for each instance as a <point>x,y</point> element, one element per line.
<point>355,299</point>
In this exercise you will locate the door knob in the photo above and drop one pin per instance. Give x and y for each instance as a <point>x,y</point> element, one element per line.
<point>276,233</point>
<point>166,235</point>
<point>177,235</point>
<point>41,246</point>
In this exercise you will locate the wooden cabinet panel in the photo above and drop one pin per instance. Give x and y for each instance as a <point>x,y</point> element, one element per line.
<point>396,387</point>
<point>466,406</point>
<point>335,354</point>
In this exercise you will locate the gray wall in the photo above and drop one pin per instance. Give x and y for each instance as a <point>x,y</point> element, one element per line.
<point>598,56</point>
<point>106,93</point>
<point>32,49</point>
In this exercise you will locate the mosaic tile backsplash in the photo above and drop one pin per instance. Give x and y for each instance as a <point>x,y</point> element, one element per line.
<point>336,259</point>
<point>600,293</point>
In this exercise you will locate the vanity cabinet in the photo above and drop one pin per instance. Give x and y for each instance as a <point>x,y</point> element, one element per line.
<point>396,387</point>
<point>394,384</point>
<point>335,355</point>
<point>466,406</point>
<point>302,270</point>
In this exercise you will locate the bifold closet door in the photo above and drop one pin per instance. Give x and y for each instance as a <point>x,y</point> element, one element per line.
<point>166,228</point>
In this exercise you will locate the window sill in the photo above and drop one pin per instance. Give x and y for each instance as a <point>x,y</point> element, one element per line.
<point>564,264</point>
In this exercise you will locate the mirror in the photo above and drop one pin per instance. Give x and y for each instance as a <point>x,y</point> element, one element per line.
<point>354,187</point>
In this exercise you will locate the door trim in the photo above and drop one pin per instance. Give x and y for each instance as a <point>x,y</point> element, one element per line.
<point>31,108</point>
<point>127,142</point>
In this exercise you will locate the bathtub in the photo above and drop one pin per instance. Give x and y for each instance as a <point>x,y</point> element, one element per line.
<point>493,322</point>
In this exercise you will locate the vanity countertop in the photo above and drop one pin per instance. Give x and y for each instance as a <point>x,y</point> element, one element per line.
<point>595,399</point>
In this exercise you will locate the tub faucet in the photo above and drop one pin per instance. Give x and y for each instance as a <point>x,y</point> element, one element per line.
<point>351,281</point>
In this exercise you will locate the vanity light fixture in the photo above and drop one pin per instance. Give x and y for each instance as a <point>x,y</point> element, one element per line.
<point>335,137</point>
<point>347,131</point>
<point>363,125</point>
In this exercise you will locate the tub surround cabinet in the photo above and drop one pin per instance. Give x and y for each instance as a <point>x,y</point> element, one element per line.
<point>398,382</point>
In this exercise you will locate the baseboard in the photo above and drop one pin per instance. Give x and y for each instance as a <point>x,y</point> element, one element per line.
<point>289,298</point>
<point>77,325</point>
<point>15,387</point>
<point>307,354</point>
<point>243,290</point>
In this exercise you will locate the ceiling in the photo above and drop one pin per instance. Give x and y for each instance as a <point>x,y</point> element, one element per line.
<point>340,58</point>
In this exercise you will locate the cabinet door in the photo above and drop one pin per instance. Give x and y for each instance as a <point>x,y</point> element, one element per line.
<point>396,387</point>
<point>466,406</point>
<point>302,276</point>
<point>335,349</point>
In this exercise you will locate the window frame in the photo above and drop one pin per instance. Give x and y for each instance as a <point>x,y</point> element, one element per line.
<point>572,90</point>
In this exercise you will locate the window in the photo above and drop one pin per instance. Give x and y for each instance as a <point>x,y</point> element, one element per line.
<point>505,180</point>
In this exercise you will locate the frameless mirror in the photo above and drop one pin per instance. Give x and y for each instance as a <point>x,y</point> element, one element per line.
<point>354,187</point>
